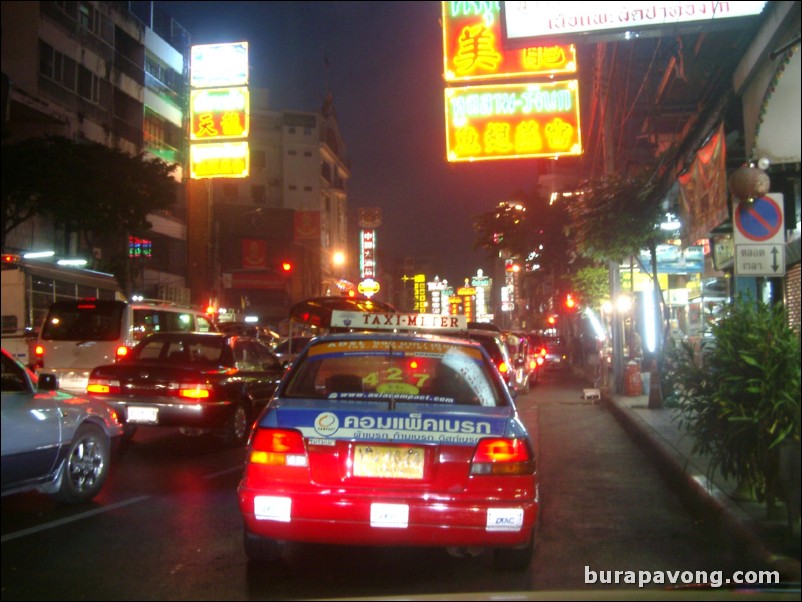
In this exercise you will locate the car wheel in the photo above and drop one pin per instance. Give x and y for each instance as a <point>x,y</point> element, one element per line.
<point>86,465</point>
<point>261,549</point>
<point>514,559</point>
<point>237,428</point>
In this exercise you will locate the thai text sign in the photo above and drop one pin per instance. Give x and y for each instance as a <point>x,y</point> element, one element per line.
<point>536,22</point>
<point>512,121</point>
<point>472,47</point>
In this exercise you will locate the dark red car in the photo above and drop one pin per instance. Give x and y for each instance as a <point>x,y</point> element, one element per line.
<point>200,382</point>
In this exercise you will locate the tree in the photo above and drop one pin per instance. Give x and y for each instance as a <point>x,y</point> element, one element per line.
<point>616,217</point>
<point>85,188</point>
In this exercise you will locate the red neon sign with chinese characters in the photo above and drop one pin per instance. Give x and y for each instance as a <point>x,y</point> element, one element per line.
<point>512,121</point>
<point>473,49</point>
<point>220,113</point>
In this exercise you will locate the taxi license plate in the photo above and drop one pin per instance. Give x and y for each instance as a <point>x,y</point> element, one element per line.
<point>142,414</point>
<point>386,461</point>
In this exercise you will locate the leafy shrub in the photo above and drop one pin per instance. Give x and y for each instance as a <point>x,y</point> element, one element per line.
<point>740,399</point>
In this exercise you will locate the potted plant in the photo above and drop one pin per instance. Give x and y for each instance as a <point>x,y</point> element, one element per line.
<point>740,399</point>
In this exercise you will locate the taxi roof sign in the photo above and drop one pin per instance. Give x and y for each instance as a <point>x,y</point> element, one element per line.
<point>398,321</point>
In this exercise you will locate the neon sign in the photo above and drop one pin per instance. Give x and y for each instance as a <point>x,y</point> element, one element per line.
<point>473,49</point>
<point>367,258</point>
<point>220,113</point>
<point>218,65</point>
<point>512,121</point>
<point>219,159</point>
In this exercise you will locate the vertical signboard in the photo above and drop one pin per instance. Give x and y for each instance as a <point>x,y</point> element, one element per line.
<point>219,111</point>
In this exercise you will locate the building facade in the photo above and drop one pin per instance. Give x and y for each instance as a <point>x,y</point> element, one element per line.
<point>290,211</point>
<point>113,74</point>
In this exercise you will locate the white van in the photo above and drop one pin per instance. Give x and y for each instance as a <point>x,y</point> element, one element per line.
<point>78,335</point>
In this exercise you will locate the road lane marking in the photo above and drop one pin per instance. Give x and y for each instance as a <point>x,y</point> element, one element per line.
<point>71,519</point>
<point>214,475</point>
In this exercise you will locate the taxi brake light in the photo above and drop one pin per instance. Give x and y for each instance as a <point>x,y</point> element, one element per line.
<point>502,457</point>
<point>278,447</point>
<point>121,352</point>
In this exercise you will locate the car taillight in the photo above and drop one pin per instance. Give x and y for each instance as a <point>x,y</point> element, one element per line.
<point>196,391</point>
<point>502,457</point>
<point>121,352</point>
<point>542,352</point>
<point>540,360</point>
<point>278,447</point>
<point>103,386</point>
<point>503,368</point>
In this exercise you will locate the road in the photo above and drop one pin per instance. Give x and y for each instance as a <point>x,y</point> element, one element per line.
<point>167,526</point>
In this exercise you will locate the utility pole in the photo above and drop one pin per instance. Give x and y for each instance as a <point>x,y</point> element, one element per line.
<point>617,322</point>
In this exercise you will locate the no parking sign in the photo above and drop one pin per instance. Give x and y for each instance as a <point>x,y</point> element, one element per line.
<point>759,236</point>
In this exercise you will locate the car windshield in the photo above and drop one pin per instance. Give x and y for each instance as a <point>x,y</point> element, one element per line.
<point>411,371</point>
<point>178,350</point>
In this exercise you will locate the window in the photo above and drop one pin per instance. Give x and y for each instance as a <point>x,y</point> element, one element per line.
<point>230,192</point>
<point>258,195</point>
<point>89,18</point>
<point>88,85</point>
<point>57,67</point>
<point>257,158</point>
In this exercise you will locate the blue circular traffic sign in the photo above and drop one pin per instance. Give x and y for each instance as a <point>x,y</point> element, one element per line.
<point>759,220</point>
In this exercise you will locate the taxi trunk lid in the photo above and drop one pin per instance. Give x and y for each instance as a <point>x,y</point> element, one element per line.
<point>414,445</point>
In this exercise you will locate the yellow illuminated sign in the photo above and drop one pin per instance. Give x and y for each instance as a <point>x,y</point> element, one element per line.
<point>219,113</point>
<point>219,160</point>
<point>512,121</point>
<point>473,49</point>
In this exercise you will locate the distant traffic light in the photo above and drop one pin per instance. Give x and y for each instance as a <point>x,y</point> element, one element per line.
<point>286,267</point>
<point>570,304</point>
<point>552,320</point>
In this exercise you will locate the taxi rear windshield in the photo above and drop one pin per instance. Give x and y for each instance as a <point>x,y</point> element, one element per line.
<point>83,320</point>
<point>425,372</point>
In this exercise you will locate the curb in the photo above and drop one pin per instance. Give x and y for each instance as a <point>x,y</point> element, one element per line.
<point>730,520</point>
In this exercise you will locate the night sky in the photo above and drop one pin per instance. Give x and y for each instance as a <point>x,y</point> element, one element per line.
<point>383,63</point>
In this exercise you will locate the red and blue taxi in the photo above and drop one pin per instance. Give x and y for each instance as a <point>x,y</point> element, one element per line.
<point>392,437</point>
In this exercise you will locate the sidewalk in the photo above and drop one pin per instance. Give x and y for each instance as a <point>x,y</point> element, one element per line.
<point>765,541</point>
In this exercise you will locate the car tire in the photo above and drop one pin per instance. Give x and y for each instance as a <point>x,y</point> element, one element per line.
<point>514,559</point>
<point>261,549</point>
<point>238,426</point>
<point>86,466</point>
